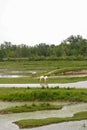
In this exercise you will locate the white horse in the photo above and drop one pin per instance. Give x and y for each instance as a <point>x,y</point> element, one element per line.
<point>43,80</point>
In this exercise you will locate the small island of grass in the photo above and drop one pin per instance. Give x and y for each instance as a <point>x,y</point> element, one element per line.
<point>30,123</point>
<point>30,108</point>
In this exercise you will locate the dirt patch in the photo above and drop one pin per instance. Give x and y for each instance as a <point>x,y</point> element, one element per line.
<point>76,72</point>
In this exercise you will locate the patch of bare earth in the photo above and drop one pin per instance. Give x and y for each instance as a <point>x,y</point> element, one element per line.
<point>76,72</point>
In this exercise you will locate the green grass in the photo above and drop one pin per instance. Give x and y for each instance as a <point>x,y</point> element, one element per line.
<point>30,123</point>
<point>30,108</point>
<point>28,80</point>
<point>67,69</point>
<point>45,95</point>
<point>42,68</point>
<point>40,94</point>
<point>66,79</point>
<point>42,65</point>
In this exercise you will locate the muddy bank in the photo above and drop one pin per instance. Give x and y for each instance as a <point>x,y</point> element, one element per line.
<point>80,72</point>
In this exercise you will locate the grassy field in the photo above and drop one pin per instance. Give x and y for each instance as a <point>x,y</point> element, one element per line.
<point>28,80</point>
<point>42,65</point>
<point>41,122</point>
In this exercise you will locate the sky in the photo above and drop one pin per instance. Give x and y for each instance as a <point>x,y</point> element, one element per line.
<point>42,21</point>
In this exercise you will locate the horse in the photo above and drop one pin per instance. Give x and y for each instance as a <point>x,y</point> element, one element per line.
<point>43,80</point>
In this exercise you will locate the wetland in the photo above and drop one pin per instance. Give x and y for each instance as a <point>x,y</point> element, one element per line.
<point>67,88</point>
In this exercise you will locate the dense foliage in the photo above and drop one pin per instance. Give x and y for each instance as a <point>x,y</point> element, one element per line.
<point>74,47</point>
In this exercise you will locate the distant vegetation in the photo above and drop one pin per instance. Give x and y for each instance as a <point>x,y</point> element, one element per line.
<point>74,47</point>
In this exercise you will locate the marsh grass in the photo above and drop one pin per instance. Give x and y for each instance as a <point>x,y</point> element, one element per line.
<point>28,80</point>
<point>42,65</point>
<point>30,123</point>
<point>67,69</point>
<point>42,68</point>
<point>30,108</point>
<point>46,94</point>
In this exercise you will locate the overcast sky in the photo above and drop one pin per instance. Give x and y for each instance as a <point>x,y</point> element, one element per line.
<point>42,21</point>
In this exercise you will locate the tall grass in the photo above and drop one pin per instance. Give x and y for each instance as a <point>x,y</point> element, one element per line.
<point>48,94</point>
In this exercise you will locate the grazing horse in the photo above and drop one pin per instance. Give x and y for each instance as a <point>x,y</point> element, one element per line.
<point>43,80</point>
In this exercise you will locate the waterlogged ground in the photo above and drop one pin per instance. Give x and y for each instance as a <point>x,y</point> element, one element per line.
<point>67,111</point>
<point>5,73</point>
<point>77,125</point>
<point>81,84</point>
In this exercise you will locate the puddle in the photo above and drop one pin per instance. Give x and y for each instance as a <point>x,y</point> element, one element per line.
<point>10,76</point>
<point>15,74</point>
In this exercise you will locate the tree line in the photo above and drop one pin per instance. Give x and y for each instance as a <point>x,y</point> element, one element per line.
<point>74,47</point>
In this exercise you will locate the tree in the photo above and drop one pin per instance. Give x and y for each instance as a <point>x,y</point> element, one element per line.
<point>73,39</point>
<point>42,49</point>
<point>1,55</point>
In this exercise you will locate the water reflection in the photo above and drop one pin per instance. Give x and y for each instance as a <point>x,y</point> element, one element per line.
<point>10,76</point>
<point>15,74</point>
